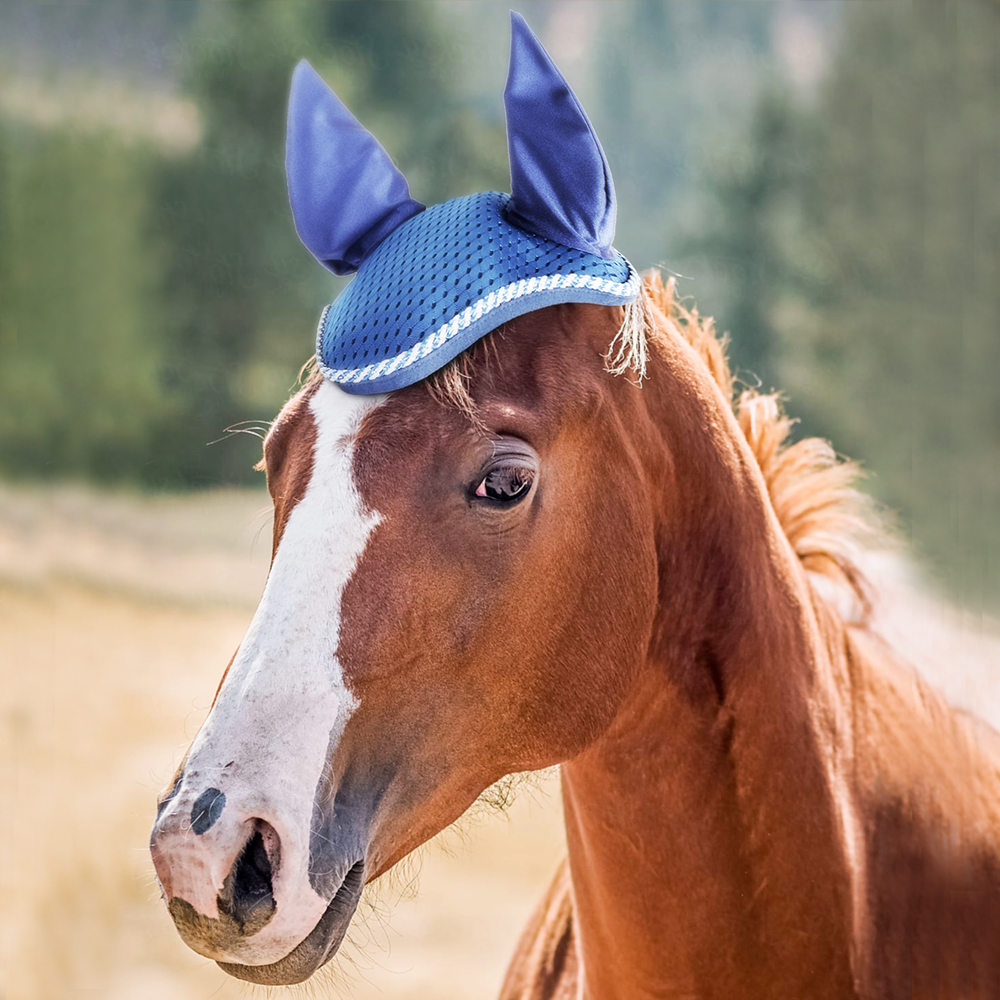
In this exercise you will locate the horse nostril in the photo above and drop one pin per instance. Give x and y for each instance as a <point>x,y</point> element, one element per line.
<point>253,871</point>
<point>247,894</point>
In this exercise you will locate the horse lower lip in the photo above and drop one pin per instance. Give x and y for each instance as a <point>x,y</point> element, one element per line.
<point>317,948</point>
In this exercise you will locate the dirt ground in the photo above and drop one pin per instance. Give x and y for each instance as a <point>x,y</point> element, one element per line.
<point>117,617</point>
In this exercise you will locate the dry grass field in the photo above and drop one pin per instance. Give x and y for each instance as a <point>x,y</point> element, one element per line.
<point>117,616</point>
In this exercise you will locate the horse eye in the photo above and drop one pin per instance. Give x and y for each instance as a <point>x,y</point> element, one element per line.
<point>506,483</point>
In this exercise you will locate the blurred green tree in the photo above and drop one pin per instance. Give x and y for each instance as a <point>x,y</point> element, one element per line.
<point>673,77</point>
<point>79,362</point>
<point>241,296</point>
<point>746,225</point>
<point>889,317</point>
<point>151,299</point>
<point>238,292</point>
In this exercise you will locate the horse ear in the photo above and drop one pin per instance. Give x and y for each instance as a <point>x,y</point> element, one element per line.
<point>345,191</point>
<point>561,186</point>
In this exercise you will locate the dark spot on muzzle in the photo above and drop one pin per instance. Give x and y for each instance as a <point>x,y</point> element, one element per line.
<point>207,809</point>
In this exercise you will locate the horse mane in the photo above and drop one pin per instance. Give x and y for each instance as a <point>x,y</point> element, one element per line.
<point>827,520</point>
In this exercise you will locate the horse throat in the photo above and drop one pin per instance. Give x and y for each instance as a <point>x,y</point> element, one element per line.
<point>713,840</point>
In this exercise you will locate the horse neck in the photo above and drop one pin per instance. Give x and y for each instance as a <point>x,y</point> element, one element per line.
<point>712,837</point>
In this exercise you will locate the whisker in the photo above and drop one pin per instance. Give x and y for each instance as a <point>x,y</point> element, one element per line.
<point>255,428</point>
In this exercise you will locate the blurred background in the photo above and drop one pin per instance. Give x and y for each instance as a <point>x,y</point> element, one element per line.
<point>823,177</point>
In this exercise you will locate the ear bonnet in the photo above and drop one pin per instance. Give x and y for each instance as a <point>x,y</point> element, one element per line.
<point>430,282</point>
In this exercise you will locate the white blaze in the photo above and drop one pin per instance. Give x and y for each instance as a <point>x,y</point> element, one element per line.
<point>284,702</point>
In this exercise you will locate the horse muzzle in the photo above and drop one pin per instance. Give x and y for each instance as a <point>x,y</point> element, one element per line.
<point>242,886</point>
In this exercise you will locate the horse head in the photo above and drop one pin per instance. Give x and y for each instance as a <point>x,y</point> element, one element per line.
<point>464,570</point>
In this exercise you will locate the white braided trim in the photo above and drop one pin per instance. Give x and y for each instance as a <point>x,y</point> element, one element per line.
<point>515,290</point>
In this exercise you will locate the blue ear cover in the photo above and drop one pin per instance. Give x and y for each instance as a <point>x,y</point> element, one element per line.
<point>345,191</point>
<point>561,186</point>
<point>431,283</point>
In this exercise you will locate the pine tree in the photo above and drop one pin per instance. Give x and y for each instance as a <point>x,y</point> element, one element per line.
<point>79,360</point>
<point>241,296</point>
<point>741,241</point>
<point>891,332</point>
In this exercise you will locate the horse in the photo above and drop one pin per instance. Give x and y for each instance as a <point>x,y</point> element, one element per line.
<point>577,549</point>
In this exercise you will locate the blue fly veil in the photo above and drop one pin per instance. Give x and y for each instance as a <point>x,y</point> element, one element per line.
<point>430,282</point>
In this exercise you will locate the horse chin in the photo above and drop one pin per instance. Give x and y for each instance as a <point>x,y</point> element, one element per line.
<point>315,950</point>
